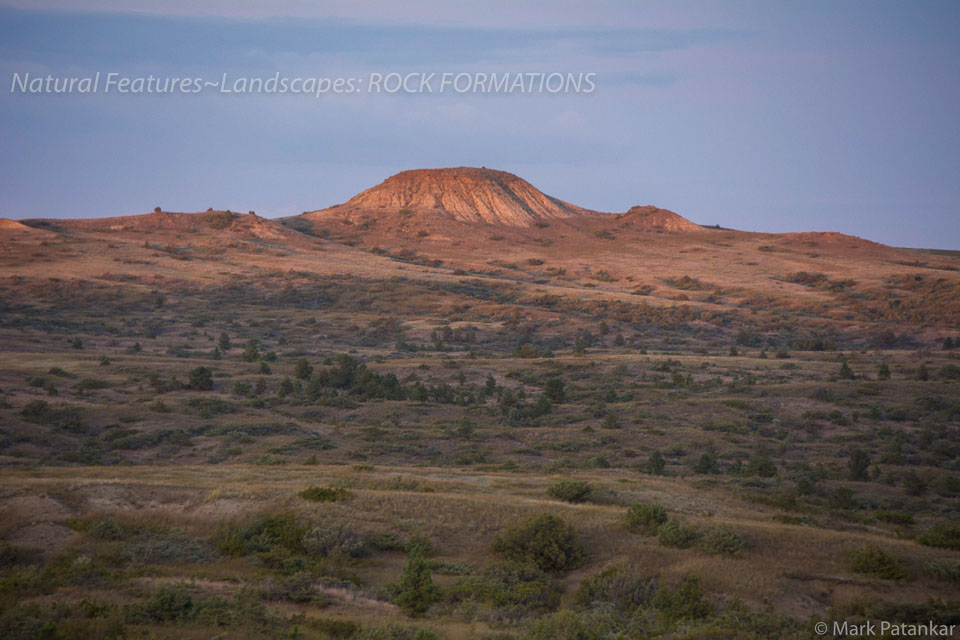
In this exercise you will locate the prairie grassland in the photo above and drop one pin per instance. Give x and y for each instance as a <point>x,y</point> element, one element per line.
<point>291,437</point>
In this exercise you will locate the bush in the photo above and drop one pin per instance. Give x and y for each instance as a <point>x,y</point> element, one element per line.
<point>302,369</point>
<point>874,560</point>
<point>895,517</point>
<point>760,466</point>
<point>164,604</point>
<point>674,533</point>
<point>842,498</point>
<point>107,529</point>
<point>656,464</point>
<point>721,541</point>
<point>859,464</point>
<point>297,587</point>
<point>172,547</point>
<point>35,410</point>
<point>686,603</point>
<point>949,571</point>
<point>546,541</point>
<point>574,491</point>
<point>337,541</point>
<point>515,590</point>
<point>393,631</point>
<point>555,391</point>
<point>572,625</point>
<point>263,534</point>
<point>325,494</point>
<point>615,586</point>
<point>942,536</point>
<point>201,378</point>
<point>416,592</point>
<point>645,518</point>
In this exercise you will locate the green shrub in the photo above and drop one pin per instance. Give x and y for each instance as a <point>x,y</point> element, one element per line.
<point>686,603</point>
<point>656,464</point>
<point>574,491</point>
<point>875,561</point>
<point>229,540</point>
<point>420,542</point>
<point>760,466</point>
<point>164,604</point>
<point>296,587</point>
<point>674,533</point>
<point>645,518</point>
<point>393,631</point>
<point>895,517</point>
<point>949,571</point>
<point>574,625</point>
<point>263,534</point>
<point>201,378</point>
<point>211,407</point>
<point>335,628</point>
<point>416,592</point>
<point>386,542</point>
<point>9,554</point>
<point>170,547</point>
<point>106,529</point>
<point>91,383</point>
<point>842,498</point>
<point>616,587</point>
<point>302,369</point>
<point>336,541</point>
<point>546,541</point>
<point>325,494</point>
<point>35,410</point>
<point>942,535</point>
<point>721,541</point>
<point>515,590</point>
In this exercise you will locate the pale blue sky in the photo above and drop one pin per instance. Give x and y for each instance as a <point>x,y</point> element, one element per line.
<point>756,115</point>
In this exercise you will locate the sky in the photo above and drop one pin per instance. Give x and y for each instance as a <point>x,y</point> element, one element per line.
<point>762,116</point>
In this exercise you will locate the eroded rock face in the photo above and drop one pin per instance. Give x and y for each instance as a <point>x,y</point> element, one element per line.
<point>467,194</point>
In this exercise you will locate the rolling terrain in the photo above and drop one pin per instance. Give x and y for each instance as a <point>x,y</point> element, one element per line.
<point>215,424</point>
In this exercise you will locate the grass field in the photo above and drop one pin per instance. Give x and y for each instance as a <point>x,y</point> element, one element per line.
<point>359,445</point>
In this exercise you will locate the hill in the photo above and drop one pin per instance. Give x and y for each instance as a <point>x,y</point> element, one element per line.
<point>464,194</point>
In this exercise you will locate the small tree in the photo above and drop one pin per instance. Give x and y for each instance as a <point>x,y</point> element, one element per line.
<point>302,369</point>
<point>250,352</point>
<point>546,541</point>
<point>645,518</point>
<point>656,463</point>
<point>571,491</point>
<point>416,591</point>
<point>555,391</point>
<point>876,561</point>
<point>846,373</point>
<point>201,379</point>
<point>923,374</point>
<point>760,466</point>
<point>224,342</point>
<point>859,464</point>
<point>579,346</point>
<point>707,463</point>
<point>883,371</point>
